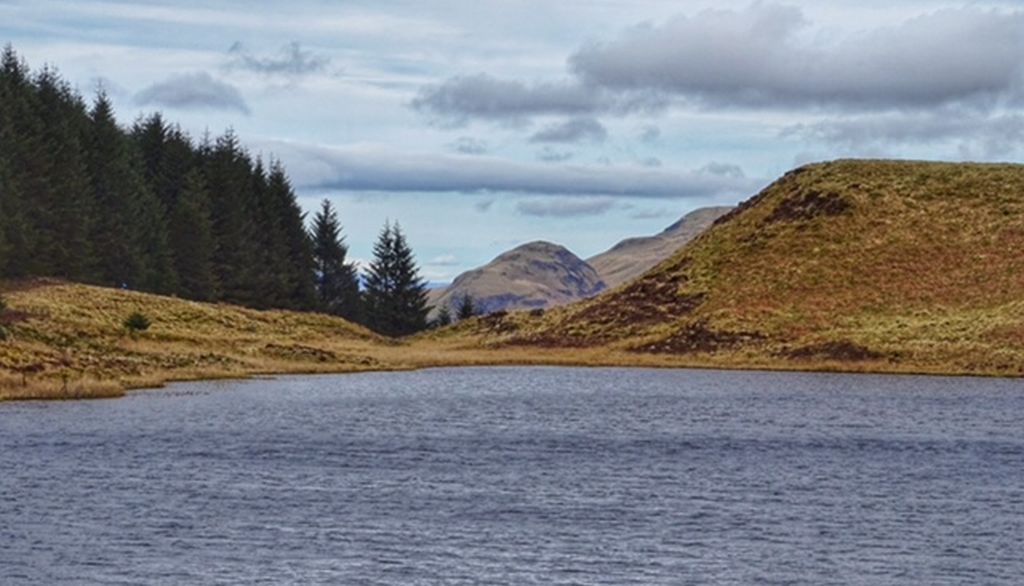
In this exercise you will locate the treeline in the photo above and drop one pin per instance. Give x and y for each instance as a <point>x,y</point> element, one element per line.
<point>148,208</point>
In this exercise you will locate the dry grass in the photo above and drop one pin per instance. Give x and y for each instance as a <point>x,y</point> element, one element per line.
<point>61,331</point>
<point>859,266</point>
<point>852,265</point>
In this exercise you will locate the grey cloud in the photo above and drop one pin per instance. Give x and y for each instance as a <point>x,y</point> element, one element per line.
<point>484,96</point>
<point>550,155</point>
<point>365,169</point>
<point>564,207</point>
<point>462,98</point>
<point>649,133</point>
<point>651,162</point>
<point>758,57</point>
<point>723,170</point>
<point>193,91</point>
<point>572,131</point>
<point>484,205</point>
<point>973,133</point>
<point>469,146</point>
<point>291,60</point>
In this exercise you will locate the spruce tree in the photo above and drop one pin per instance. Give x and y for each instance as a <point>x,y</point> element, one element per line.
<point>396,296</point>
<point>466,307</point>
<point>229,180</point>
<point>116,187</point>
<point>337,282</point>
<point>191,240</point>
<point>298,268</point>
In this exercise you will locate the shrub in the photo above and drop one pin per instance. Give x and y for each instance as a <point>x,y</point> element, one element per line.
<point>136,323</point>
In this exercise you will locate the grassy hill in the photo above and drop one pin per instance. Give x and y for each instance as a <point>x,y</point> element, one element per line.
<point>59,330</point>
<point>851,265</point>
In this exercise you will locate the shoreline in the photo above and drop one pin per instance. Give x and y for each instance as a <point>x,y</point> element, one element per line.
<point>475,360</point>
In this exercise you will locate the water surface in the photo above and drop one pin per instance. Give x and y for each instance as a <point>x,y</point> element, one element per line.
<point>521,476</point>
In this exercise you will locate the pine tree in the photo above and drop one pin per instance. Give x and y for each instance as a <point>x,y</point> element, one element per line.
<point>116,186</point>
<point>65,206</point>
<point>396,296</point>
<point>336,280</point>
<point>466,307</point>
<point>300,279</point>
<point>229,180</point>
<point>191,240</point>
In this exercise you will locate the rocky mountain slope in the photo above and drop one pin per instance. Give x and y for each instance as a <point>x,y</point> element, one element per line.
<point>854,265</point>
<point>633,257</point>
<point>532,276</point>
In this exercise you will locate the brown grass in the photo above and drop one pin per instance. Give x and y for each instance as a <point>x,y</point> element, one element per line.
<point>857,266</point>
<point>862,265</point>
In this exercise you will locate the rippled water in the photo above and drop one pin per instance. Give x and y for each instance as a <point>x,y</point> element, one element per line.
<point>521,476</point>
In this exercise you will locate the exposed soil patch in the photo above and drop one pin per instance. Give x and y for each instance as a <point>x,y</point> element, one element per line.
<point>807,205</point>
<point>699,338</point>
<point>645,301</point>
<point>784,182</point>
<point>842,350</point>
<point>11,317</point>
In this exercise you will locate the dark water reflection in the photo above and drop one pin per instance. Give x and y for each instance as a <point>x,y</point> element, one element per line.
<point>521,476</point>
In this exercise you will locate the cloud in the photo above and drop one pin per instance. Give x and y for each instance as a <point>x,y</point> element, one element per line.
<point>723,170</point>
<point>483,96</point>
<point>973,133</point>
<point>764,56</point>
<point>649,134</point>
<point>572,131</point>
<point>193,91</point>
<point>371,168</point>
<point>445,260</point>
<point>291,60</point>
<point>651,162</point>
<point>550,155</point>
<point>565,207</point>
<point>484,206</point>
<point>469,146</point>
<point>760,56</point>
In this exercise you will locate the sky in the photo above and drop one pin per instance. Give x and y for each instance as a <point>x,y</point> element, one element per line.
<point>480,125</point>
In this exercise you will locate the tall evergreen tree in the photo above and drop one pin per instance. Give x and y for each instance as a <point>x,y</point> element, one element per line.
<point>337,281</point>
<point>300,278</point>
<point>117,188</point>
<point>466,307</point>
<point>229,180</point>
<point>65,205</point>
<point>191,240</point>
<point>396,296</point>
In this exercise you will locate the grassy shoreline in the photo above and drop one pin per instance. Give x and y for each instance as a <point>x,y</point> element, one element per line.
<point>68,343</point>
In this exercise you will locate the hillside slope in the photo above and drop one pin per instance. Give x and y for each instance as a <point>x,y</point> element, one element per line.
<point>633,257</point>
<point>853,265</point>
<point>534,275</point>
<point>57,330</point>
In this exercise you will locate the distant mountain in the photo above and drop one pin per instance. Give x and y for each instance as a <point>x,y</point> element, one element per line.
<point>531,276</point>
<point>633,257</point>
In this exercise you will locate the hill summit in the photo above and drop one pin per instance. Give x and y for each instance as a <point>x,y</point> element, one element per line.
<point>535,275</point>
